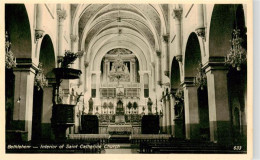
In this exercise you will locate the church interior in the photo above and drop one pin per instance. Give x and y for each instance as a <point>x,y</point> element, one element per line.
<point>134,78</point>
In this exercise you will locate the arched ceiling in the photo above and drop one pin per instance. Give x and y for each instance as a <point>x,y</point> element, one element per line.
<point>144,22</point>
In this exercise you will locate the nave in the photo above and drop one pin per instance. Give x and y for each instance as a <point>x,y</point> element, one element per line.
<point>150,78</point>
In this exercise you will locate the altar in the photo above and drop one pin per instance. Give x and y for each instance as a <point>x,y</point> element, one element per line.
<point>119,129</point>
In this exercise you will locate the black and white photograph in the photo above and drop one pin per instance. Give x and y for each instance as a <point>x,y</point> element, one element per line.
<point>127,78</point>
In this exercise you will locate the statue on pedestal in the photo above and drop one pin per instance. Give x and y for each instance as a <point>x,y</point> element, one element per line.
<point>90,104</point>
<point>149,104</point>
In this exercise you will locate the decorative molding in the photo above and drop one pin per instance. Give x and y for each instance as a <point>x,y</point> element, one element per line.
<point>62,14</point>
<point>201,33</point>
<point>177,13</point>
<point>38,34</point>
<point>122,51</point>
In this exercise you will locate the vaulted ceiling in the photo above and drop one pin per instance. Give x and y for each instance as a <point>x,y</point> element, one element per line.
<point>139,25</point>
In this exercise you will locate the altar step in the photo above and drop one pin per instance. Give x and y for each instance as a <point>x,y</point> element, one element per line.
<point>119,139</point>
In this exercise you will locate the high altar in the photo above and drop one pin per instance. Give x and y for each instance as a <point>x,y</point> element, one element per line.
<point>121,96</point>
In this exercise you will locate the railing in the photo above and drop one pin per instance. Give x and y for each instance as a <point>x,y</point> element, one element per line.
<point>139,138</point>
<point>111,92</point>
<point>89,138</point>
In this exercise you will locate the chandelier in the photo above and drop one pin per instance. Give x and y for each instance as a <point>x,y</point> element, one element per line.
<point>237,54</point>
<point>10,61</point>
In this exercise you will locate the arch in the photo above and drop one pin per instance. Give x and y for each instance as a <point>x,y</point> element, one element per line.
<point>134,39</point>
<point>47,56</point>
<point>106,47</point>
<point>224,19</point>
<point>192,56</point>
<point>175,74</point>
<point>20,35</point>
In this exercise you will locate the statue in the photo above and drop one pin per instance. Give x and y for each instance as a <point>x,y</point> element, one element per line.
<point>90,104</point>
<point>149,104</point>
<point>126,69</point>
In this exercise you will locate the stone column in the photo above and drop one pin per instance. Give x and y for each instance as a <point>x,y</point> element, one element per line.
<point>200,28</point>
<point>74,48</point>
<point>98,84</point>
<point>61,15</point>
<point>86,76</point>
<point>39,31</point>
<point>168,114</point>
<point>81,67</point>
<point>141,74</point>
<point>191,108</point>
<point>159,73</point>
<point>106,71</point>
<point>23,98</point>
<point>219,111</point>
<point>172,102</point>
<point>133,70</point>
<point>46,130</point>
<point>150,85</point>
<point>177,15</point>
<point>167,55</point>
<point>164,116</point>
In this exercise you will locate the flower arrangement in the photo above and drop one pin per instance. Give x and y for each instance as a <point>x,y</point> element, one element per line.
<point>201,78</point>
<point>69,58</point>
<point>40,80</point>
<point>237,54</point>
<point>10,61</point>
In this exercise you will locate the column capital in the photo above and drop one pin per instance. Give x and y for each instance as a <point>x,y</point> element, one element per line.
<point>201,33</point>
<point>38,34</point>
<point>133,60</point>
<point>167,73</point>
<point>177,13</point>
<point>165,38</point>
<point>74,38</point>
<point>86,64</point>
<point>158,53</point>
<point>179,58</point>
<point>61,15</point>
